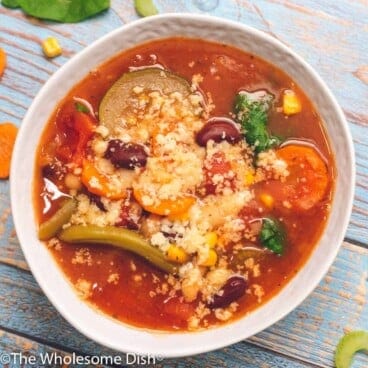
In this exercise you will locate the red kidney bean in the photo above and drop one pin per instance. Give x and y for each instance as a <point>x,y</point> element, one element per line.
<point>97,201</point>
<point>233,289</point>
<point>130,216</point>
<point>218,129</point>
<point>52,171</point>
<point>126,155</point>
<point>48,171</point>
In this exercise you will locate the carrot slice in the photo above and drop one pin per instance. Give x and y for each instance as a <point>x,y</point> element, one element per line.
<point>2,61</point>
<point>308,180</point>
<point>166,206</point>
<point>8,133</point>
<point>99,184</point>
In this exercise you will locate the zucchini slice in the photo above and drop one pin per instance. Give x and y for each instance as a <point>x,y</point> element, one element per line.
<point>118,103</point>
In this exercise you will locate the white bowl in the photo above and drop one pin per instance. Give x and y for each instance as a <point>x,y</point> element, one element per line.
<point>126,338</point>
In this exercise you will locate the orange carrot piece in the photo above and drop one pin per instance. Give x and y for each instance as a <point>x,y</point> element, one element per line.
<point>166,206</point>
<point>99,184</point>
<point>308,180</point>
<point>2,61</point>
<point>8,133</point>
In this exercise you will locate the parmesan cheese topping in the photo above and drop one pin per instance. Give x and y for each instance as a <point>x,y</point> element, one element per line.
<point>176,167</point>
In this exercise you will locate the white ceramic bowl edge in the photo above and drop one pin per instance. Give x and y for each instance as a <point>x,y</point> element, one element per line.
<point>129,339</point>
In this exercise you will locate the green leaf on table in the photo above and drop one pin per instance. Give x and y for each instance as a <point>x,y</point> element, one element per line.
<point>68,11</point>
<point>10,3</point>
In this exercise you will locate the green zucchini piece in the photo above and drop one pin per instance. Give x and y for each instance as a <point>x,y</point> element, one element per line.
<point>349,344</point>
<point>53,225</point>
<point>117,103</point>
<point>118,237</point>
<point>145,8</point>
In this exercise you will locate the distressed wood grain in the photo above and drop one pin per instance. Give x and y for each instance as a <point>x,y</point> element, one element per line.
<point>12,345</point>
<point>333,38</point>
<point>308,335</point>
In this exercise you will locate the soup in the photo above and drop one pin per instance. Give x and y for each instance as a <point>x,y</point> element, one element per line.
<point>182,184</point>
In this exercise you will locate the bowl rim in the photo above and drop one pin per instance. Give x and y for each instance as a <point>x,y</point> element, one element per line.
<point>230,338</point>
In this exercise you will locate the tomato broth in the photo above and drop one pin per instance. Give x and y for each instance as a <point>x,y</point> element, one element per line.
<point>126,286</point>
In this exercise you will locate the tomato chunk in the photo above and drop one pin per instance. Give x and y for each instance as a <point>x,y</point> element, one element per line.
<point>217,167</point>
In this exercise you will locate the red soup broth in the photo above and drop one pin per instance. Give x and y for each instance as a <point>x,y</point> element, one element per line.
<point>120,283</point>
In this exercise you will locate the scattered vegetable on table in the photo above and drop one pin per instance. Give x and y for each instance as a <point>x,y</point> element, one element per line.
<point>8,134</point>
<point>51,47</point>
<point>145,8</point>
<point>2,61</point>
<point>348,345</point>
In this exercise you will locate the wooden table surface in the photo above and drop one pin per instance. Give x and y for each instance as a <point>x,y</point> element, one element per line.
<point>332,35</point>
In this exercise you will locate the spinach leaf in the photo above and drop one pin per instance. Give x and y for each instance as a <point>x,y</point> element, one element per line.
<point>251,109</point>
<point>10,3</point>
<point>272,235</point>
<point>68,11</point>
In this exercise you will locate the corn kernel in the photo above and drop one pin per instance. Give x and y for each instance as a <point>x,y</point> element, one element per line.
<point>177,255</point>
<point>267,200</point>
<point>51,47</point>
<point>211,260</point>
<point>249,178</point>
<point>291,103</point>
<point>211,239</point>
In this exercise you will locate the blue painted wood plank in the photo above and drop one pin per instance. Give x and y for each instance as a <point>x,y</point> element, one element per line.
<point>309,334</point>
<point>18,351</point>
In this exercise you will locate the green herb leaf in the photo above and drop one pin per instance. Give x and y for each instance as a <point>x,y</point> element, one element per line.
<point>10,3</point>
<point>272,235</point>
<point>62,10</point>
<point>81,108</point>
<point>251,109</point>
<point>145,8</point>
